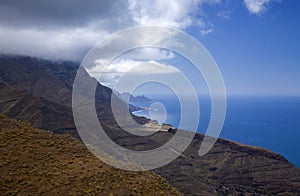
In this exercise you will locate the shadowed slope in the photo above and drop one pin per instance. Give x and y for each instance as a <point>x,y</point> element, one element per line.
<point>37,110</point>
<point>229,168</point>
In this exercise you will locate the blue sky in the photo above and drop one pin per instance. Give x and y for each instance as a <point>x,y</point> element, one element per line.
<point>258,54</point>
<point>254,42</point>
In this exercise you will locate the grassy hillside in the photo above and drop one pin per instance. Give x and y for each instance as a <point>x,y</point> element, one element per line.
<point>34,161</point>
<point>57,162</point>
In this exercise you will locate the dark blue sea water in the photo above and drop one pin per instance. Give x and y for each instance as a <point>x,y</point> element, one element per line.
<point>268,122</point>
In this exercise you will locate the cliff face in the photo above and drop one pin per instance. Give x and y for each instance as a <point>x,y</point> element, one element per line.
<point>229,168</point>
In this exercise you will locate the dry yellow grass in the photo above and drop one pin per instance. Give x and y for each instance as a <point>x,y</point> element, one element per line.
<point>36,162</point>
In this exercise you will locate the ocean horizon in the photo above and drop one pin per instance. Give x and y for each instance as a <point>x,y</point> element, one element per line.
<point>271,122</point>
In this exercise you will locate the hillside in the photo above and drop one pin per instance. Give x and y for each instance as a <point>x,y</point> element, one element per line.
<point>37,110</point>
<point>229,168</point>
<point>35,162</point>
<point>36,78</point>
<point>53,81</point>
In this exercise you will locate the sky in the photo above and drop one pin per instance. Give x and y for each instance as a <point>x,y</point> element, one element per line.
<point>255,43</point>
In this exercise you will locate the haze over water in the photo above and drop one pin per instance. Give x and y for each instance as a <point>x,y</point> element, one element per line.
<point>269,122</point>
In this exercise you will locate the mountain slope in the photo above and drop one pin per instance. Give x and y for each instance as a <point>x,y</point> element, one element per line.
<point>35,78</point>
<point>229,168</point>
<point>53,81</point>
<point>36,162</point>
<point>37,110</point>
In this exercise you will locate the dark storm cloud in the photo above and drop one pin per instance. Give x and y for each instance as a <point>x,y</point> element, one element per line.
<point>63,13</point>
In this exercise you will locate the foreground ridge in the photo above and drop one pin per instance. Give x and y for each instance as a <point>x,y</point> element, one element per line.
<point>35,161</point>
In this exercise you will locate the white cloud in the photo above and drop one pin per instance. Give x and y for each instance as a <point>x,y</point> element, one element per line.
<point>110,74</point>
<point>61,44</point>
<point>149,54</point>
<point>54,29</point>
<point>172,13</point>
<point>257,6</point>
<point>205,27</point>
<point>225,14</point>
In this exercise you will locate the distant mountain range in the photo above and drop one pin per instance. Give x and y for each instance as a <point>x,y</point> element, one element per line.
<point>39,91</point>
<point>128,97</point>
<point>133,101</point>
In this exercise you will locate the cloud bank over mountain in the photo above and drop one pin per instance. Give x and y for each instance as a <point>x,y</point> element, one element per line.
<point>68,29</point>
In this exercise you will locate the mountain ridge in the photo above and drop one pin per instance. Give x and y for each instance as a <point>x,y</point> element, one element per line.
<point>229,168</point>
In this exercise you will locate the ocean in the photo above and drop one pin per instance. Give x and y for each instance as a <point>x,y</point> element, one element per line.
<point>269,122</point>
